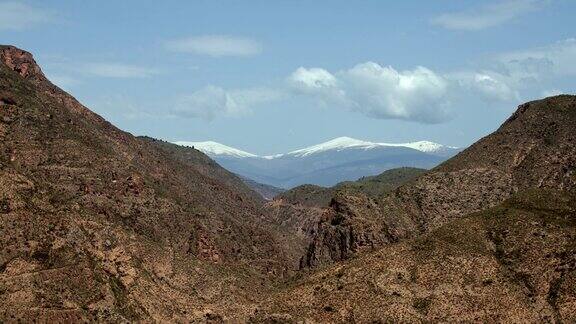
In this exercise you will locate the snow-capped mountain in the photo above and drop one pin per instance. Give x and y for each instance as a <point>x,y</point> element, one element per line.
<point>328,163</point>
<point>342,143</point>
<point>215,149</point>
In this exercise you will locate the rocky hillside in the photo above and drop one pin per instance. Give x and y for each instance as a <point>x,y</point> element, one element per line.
<point>99,225</point>
<point>513,263</point>
<point>205,165</point>
<point>532,149</point>
<point>302,211</point>
<point>96,224</point>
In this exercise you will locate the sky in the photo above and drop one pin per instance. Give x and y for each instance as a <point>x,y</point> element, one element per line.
<point>271,76</point>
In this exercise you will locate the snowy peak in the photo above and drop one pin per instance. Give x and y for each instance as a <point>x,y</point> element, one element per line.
<point>342,143</point>
<point>211,148</point>
<point>338,144</point>
<point>426,146</point>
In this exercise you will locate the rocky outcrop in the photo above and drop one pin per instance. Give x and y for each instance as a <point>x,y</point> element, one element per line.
<point>346,228</point>
<point>21,62</point>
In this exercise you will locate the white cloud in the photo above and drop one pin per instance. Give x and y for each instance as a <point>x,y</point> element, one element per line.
<point>210,102</point>
<point>383,92</point>
<point>379,92</point>
<point>313,79</point>
<point>519,75</point>
<point>419,94</point>
<point>18,16</point>
<point>558,59</point>
<point>216,45</point>
<point>115,70</point>
<point>487,16</point>
<point>488,85</point>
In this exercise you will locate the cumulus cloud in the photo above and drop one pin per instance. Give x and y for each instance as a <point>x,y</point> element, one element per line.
<point>18,16</point>
<point>378,91</point>
<point>311,80</point>
<point>487,16</point>
<point>211,101</point>
<point>488,85</point>
<point>383,92</point>
<point>506,76</point>
<point>216,45</point>
<point>115,70</point>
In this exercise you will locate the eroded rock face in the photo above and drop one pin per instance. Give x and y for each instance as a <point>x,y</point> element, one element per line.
<point>346,228</point>
<point>20,61</point>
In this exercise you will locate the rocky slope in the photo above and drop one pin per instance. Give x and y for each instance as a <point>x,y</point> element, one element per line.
<point>96,224</point>
<point>301,212</point>
<point>512,263</point>
<point>532,149</point>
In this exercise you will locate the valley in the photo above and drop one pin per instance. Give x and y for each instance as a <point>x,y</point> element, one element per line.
<point>98,225</point>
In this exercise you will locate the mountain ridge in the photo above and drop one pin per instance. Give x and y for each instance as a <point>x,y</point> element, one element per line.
<point>215,149</point>
<point>328,163</point>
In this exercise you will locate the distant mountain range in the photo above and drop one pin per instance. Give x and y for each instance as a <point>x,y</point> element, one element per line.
<point>325,164</point>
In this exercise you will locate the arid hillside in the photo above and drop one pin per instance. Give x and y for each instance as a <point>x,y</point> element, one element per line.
<point>512,263</point>
<point>97,224</point>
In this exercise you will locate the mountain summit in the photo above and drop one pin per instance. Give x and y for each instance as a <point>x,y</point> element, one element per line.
<point>216,150</point>
<point>342,143</point>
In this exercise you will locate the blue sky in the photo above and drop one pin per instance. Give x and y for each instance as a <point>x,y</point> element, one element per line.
<point>273,76</point>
